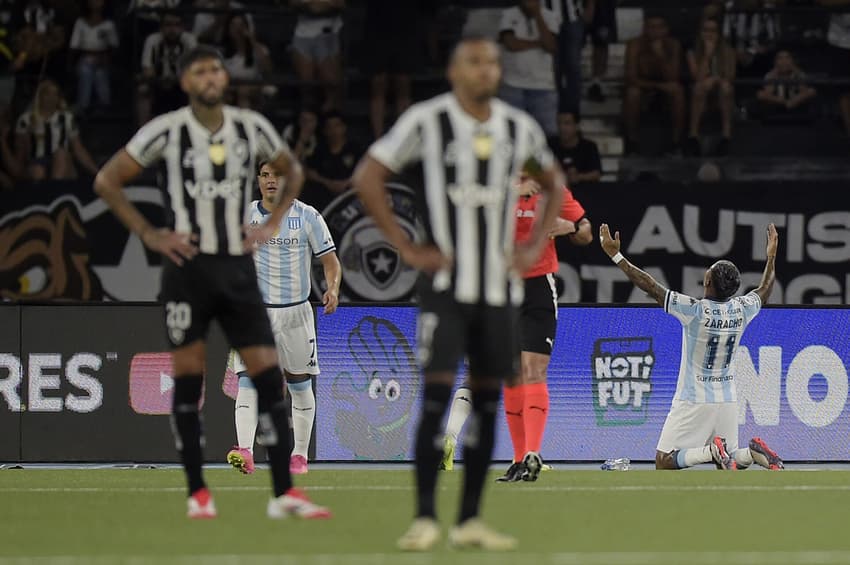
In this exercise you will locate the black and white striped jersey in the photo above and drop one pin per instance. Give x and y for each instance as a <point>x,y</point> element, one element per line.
<point>207,178</point>
<point>467,195</point>
<point>49,135</point>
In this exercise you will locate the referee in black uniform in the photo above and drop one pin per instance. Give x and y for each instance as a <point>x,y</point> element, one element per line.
<point>208,152</point>
<point>466,148</point>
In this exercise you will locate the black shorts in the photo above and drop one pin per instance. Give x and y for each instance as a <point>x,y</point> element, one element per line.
<point>214,287</point>
<point>603,29</point>
<point>448,330</point>
<point>539,315</point>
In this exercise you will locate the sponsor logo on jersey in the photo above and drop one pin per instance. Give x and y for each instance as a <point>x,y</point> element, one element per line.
<point>622,383</point>
<point>373,269</point>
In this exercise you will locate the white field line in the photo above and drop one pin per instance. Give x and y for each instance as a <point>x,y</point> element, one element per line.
<point>401,488</point>
<point>808,557</point>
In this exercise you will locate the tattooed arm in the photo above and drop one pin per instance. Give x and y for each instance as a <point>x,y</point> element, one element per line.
<point>640,278</point>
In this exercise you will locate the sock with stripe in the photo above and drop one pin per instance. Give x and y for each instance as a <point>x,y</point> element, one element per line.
<point>429,447</point>
<point>246,413</point>
<point>303,413</point>
<point>459,412</point>
<point>273,426</point>
<point>478,449</point>
<point>535,411</point>
<point>186,426</point>
<point>695,456</point>
<point>514,405</point>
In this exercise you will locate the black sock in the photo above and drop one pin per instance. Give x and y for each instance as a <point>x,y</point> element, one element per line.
<point>478,449</point>
<point>273,426</point>
<point>429,450</point>
<point>186,425</point>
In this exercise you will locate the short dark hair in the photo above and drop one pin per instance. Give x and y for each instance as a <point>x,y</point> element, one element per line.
<point>199,53</point>
<point>331,114</point>
<point>572,112</point>
<point>261,164</point>
<point>469,38</point>
<point>725,278</point>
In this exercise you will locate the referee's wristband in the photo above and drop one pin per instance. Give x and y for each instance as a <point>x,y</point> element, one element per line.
<point>617,258</point>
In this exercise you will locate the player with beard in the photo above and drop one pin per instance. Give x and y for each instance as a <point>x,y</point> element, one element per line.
<point>210,153</point>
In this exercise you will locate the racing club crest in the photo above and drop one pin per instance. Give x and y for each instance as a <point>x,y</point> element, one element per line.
<point>373,269</point>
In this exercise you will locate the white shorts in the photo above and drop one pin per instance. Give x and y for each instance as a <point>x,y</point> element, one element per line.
<point>691,425</point>
<point>295,335</point>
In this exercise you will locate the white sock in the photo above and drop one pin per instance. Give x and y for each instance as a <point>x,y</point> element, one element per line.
<point>743,457</point>
<point>694,456</point>
<point>459,412</point>
<point>303,413</point>
<point>246,413</point>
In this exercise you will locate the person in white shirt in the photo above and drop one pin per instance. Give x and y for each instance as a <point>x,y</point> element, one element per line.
<point>316,48</point>
<point>527,33</point>
<point>211,27</point>
<point>702,425</point>
<point>93,39</point>
<point>247,60</point>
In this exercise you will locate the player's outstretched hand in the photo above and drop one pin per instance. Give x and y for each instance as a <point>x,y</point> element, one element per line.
<point>330,300</point>
<point>611,245</point>
<point>176,246</point>
<point>772,240</point>
<point>256,234</point>
<point>426,258</point>
<point>562,227</point>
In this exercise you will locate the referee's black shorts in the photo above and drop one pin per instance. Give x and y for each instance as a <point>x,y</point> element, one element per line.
<point>539,315</point>
<point>447,330</point>
<point>214,287</point>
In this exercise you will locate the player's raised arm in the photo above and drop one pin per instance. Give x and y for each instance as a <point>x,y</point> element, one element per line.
<point>109,185</point>
<point>769,276</point>
<point>641,279</point>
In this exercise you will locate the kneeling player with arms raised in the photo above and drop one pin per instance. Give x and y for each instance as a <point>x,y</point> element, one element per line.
<point>702,425</point>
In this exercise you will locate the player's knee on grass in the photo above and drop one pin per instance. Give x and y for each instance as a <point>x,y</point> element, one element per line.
<point>665,461</point>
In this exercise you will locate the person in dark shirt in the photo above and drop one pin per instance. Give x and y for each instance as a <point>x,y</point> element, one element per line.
<point>330,167</point>
<point>579,157</point>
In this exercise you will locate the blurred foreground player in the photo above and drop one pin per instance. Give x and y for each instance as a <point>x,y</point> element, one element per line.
<point>526,394</point>
<point>703,421</point>
<point>210,152</point>
<point>283,269</point>
<point>469,148</point>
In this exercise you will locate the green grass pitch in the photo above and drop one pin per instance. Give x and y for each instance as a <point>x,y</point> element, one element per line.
<point>113,516</point>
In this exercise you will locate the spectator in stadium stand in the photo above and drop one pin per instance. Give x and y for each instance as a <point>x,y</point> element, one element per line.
<point>47,138</point>
<point>142,22</point>
<point>330,167</point>
<point>211,27</point>
<point>316,49</point>
<point>301,134</point>
<point>159,90</point>
<point>392,53</point>
<point>39,38</point>
<point>785,90</point>
<point>753,35</point>
<point>579,157</point>
<point>712,67</point>
<point>652,71</point>
<point>602,18</point>
<point>246,60</point>
<point>527,33</point>
<point>92,41</point>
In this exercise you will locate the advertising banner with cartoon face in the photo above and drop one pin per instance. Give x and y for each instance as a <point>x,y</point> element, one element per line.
<point>611,379</point>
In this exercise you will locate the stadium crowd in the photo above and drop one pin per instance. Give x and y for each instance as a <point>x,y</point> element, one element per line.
<point>79,75</point>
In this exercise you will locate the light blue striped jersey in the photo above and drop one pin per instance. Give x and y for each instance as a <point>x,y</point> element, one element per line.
<point>710,335</point>
<point>284,261</point>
